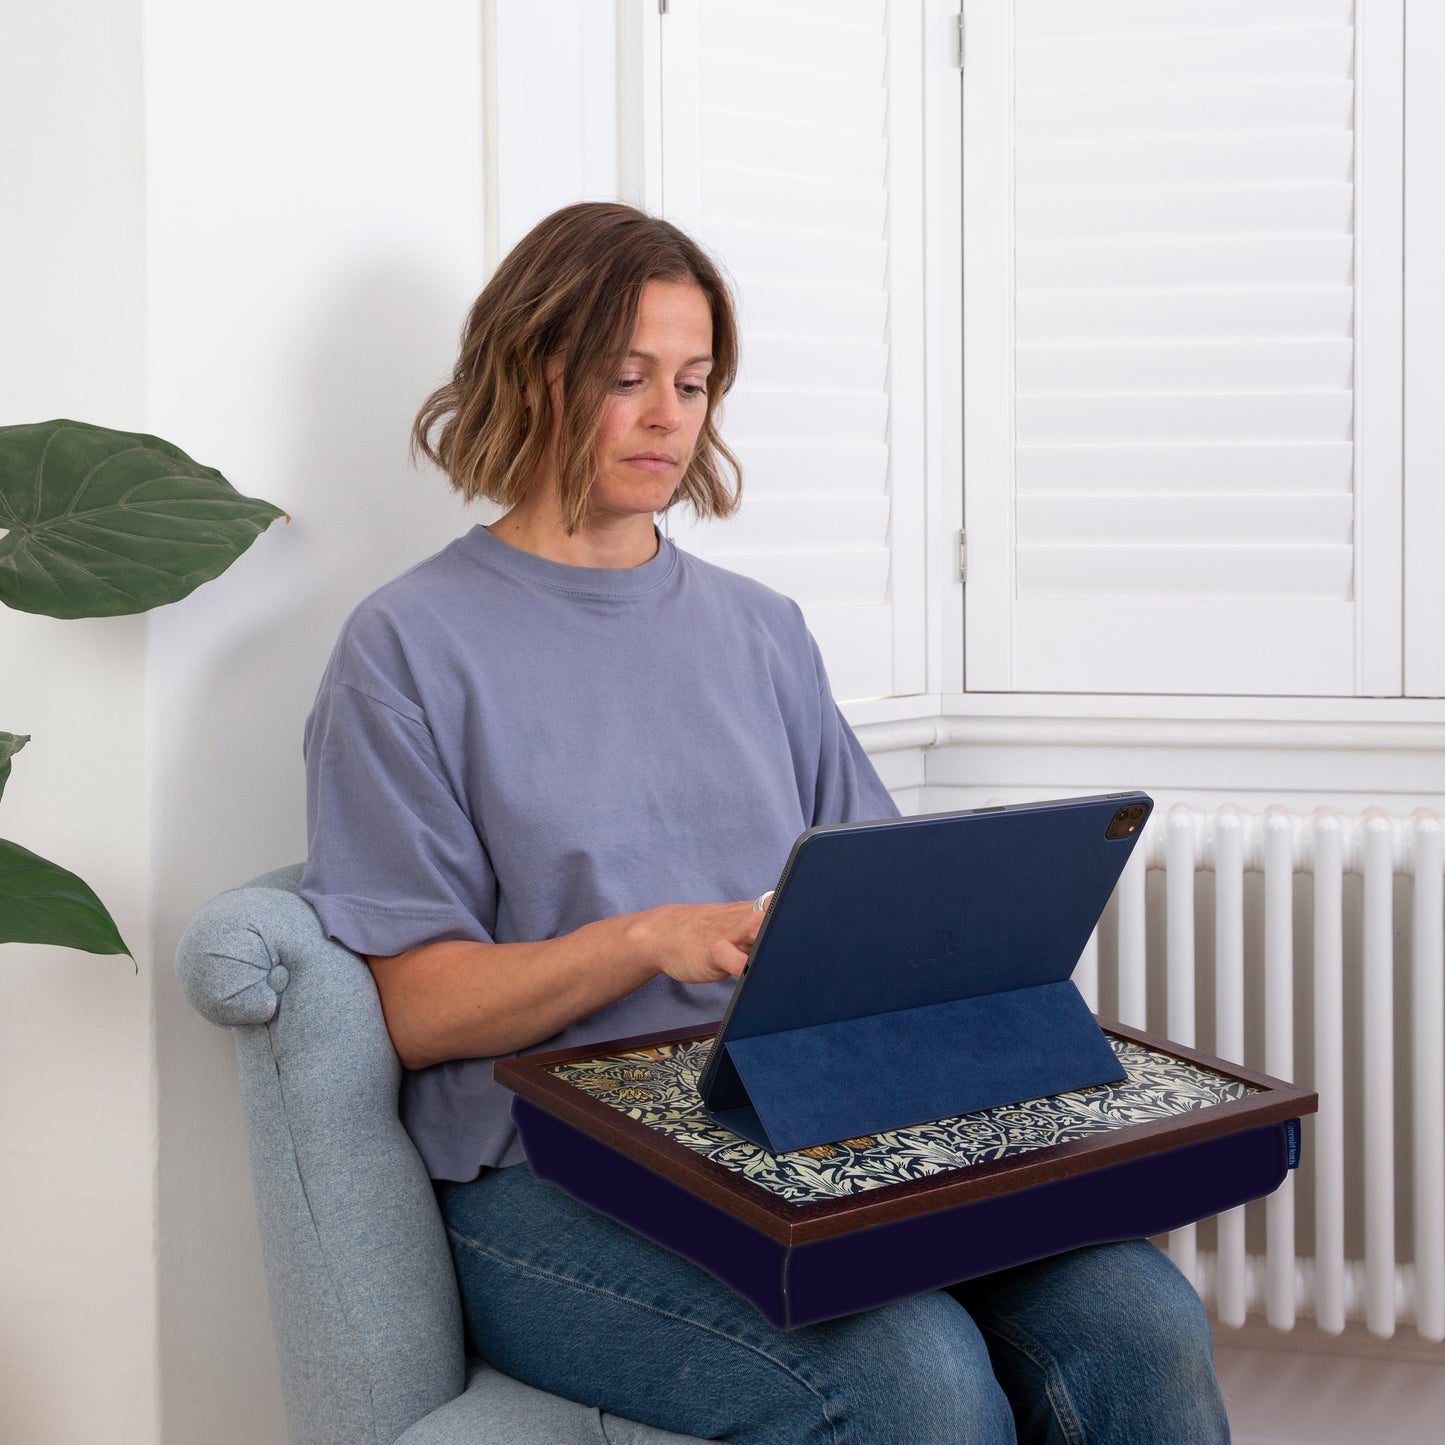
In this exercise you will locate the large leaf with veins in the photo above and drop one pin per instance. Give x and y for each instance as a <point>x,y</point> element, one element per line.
<point>40,902</point>
<point>101,523</point>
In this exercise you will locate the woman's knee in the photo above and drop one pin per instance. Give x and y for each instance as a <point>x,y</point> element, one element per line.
<point>917,1371</point>
<point>1154,1310</point>
<point>1107,1345</point>
<point>1163,1385</point>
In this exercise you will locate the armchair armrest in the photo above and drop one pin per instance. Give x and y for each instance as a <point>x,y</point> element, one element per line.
<point>229,960</point>
<point>363,1295</point>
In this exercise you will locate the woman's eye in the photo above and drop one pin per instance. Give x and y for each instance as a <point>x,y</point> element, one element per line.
<point>692,388</point>
<point>628,383</point>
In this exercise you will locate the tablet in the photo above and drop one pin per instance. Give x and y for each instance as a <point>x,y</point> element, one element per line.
<point>919,968</point>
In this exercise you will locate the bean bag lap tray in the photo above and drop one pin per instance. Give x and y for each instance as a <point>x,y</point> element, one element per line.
<point>836,1228</point>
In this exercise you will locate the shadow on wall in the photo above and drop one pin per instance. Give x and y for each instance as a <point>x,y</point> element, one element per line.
<point>233,676</point>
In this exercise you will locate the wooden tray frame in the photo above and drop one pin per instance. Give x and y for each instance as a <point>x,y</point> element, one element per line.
<point>530,1078</point>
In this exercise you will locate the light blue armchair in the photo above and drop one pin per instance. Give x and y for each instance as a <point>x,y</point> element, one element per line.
<point>365,1305</point>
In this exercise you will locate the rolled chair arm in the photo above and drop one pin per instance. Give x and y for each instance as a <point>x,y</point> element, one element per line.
<point>229,960</point>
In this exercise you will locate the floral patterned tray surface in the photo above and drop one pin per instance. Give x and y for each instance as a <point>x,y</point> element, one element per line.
<point>658,1087</point>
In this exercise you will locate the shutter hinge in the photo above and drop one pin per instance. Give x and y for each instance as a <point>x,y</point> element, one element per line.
<point>962,555</point>
<point>662,7</point>
<point>958,37</point>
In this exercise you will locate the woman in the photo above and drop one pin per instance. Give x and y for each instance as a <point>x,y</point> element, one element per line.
<point>538,765</point>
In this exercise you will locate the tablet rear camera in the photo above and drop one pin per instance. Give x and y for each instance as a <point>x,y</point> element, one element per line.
<point>1127,821</point>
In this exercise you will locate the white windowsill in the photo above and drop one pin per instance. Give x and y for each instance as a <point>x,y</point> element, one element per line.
<point>931,721</point>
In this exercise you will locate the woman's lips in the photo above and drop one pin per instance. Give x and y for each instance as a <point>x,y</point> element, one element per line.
<point>652,461</point>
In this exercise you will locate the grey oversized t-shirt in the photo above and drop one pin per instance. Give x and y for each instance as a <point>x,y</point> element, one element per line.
<point>505,748</point>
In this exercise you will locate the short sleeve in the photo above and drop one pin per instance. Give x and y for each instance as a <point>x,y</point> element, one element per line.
<point>393,860</point>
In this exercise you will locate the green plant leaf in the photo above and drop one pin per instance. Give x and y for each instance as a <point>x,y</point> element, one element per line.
<point>10,744</point>
<point>41,903</point>
<point>102,523</point>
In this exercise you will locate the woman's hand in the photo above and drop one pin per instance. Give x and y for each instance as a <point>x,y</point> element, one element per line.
<point>698,942</point>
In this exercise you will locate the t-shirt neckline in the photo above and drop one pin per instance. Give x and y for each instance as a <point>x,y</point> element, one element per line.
<point>613,582</point>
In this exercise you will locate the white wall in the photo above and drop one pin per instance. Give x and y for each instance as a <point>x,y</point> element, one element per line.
<point>78,1350</point>
<point>314,179</point>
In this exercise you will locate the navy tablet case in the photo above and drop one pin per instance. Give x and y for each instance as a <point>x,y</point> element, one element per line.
<point>918,968</point>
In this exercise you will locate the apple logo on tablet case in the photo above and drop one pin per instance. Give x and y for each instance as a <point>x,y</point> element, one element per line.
<point>932,950</point>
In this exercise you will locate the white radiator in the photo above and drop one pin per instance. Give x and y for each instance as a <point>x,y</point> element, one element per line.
<point>1353,1007</point>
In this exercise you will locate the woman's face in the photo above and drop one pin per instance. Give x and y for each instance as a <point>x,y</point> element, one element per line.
<point>658,403</point>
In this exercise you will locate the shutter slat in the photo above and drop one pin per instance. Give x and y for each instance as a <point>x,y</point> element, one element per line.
<point>1239,519</point>
<point>1109,17</point>
<point>1312,365</point>
<point>861,13</point>
<point>816,468</point>
<point>1280,416</point>
<point>1251,261</point>
<point>791,95</point>
<point>859,417</point>
<point>785,361</point>
<point>1076,215</point>
<point>1323,573</point>
<point>849,313</point>
<point>1129,110</point>
<point>837,48</point>
<point>764,252</point>
<point>1215,313</point>
<point>1138,470</point>
<point>817,522</point>
<point>744,193</point>
<point>1260,157</point>
<point>800,149</point>
<point>1286,53</point>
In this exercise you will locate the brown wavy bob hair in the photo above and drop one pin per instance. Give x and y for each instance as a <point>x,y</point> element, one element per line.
<point>569,292</point>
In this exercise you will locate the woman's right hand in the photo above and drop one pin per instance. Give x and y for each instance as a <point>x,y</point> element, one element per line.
<point>698,942</point>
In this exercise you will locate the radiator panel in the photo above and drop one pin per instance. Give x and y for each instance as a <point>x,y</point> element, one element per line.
<point>1347,1010</point>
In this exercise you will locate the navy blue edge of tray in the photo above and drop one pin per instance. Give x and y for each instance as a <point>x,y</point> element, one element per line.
<point>826,1278</point>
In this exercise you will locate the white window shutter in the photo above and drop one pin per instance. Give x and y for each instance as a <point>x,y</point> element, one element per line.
<point>1182,266</point>
<point>792,148</point>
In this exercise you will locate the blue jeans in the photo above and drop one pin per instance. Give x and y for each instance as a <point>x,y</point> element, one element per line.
<point>1104,1346</point>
